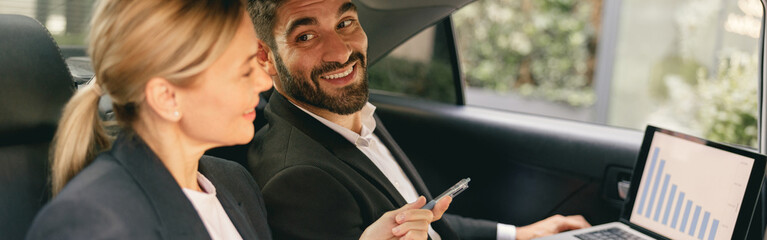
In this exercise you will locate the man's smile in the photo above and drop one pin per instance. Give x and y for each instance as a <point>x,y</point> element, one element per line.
<point>341,77</point>
<point>342,73</point>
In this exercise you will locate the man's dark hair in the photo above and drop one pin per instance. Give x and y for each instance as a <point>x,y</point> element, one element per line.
<point>263,13</point>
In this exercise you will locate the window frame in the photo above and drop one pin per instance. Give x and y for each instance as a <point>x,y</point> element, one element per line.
<point>459,78</point>
<point>762,88</point>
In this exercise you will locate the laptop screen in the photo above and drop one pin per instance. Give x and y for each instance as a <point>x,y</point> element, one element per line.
<point>691,188</point>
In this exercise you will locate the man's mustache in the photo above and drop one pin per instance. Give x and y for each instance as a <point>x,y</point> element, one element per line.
<point>327,67</point>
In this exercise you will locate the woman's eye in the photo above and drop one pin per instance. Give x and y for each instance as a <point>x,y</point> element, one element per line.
<point>305,37</point>
<point>248,73</point>
<point>344,24</point>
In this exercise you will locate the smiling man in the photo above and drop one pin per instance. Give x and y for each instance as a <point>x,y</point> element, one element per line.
<point>326,165</point>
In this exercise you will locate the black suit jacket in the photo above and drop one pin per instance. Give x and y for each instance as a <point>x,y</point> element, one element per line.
<point>317,185</point>
<point>127,193</point>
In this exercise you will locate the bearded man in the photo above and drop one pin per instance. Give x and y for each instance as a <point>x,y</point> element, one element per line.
<point>326,165</point>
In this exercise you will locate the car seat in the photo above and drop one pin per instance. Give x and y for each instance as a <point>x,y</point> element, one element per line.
<point>35,83</point>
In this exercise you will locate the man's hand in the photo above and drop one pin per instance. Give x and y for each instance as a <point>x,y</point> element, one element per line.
<point>408,222</point>
<point>552,225</point>
<point>441,207</point>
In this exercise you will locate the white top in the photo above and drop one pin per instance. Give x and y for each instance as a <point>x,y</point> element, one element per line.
<point>211,212</point>
<point>369,144</point>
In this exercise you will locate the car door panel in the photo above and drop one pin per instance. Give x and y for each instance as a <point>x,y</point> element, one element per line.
<point>523,168</point>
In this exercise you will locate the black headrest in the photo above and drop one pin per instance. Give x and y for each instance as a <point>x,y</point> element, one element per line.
<point>35,83</point>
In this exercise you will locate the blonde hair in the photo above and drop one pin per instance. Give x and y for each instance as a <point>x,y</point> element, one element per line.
<point>130,42</point>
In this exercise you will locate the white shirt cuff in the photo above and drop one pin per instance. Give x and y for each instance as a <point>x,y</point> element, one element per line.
<point>506,232</point>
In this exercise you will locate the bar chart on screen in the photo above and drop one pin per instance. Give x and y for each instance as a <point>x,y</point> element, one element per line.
<point>689,190</point>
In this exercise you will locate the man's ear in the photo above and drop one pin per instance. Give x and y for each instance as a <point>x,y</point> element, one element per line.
<point>265,58</point>
<point>161,99</point>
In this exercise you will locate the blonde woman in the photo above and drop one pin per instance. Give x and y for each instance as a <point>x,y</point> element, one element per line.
<point>183,79</point>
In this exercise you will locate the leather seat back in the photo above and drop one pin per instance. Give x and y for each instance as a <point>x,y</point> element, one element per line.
<point>35,83</point>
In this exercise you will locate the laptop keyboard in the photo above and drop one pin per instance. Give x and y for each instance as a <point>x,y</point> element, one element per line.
<point>610,233</point>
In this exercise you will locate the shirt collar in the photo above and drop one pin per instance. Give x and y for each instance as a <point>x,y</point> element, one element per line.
<point>368,125</point>
<point>205,185</point>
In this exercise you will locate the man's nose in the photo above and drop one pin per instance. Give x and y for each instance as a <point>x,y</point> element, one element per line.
<point>336,49</point>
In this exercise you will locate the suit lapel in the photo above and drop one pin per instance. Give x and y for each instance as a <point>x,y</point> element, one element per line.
<point>334,142</point>
<point>440,226</point>
<point>402,159</point>
<point>177,216</point>
<point>232,207</point>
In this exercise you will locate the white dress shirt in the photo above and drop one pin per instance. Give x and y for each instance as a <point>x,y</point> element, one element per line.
<point>213,216</point>
<point>369,144</point>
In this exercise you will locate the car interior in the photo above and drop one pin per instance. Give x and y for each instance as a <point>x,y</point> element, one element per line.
<point>523,167</point>
<point>36,85</point>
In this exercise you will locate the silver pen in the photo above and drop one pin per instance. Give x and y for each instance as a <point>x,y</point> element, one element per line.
<point>452,192</point>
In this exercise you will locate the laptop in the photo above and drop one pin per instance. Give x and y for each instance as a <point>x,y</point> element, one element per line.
<point>685,187</point>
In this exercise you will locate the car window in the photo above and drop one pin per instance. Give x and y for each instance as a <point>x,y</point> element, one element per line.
<point>689,65</point>
<point>693,66</point>
<point>422,68</point>
<point>66,20</point>
<point>530,56</point>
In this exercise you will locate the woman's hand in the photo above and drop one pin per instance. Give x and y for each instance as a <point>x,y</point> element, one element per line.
<point>408,222</point>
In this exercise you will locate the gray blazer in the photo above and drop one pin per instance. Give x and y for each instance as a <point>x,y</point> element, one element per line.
<point>127,193</point>
<point>317,185</point>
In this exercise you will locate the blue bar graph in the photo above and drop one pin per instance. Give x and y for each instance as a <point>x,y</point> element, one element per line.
<point>662,196</point>
<point>694,220</point>
<point>671,206</point>
<point>686,215</point>
<point>714,226</point>
<point>668,204</point>
<point>654,188</point>
<point>703,225</point>
<point>649,177</point>
<point>676,211</point>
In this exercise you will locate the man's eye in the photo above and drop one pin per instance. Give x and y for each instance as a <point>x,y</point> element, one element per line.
<point>345,23</point>
<point>305,37</point>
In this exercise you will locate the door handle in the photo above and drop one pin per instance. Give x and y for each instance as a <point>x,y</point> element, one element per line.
<point>623,188</point>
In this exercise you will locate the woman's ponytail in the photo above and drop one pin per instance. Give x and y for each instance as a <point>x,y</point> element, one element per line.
<point>80,135</point>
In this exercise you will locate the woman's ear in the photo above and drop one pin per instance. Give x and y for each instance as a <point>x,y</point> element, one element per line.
<point>161,98</point>
<point>265,58</point>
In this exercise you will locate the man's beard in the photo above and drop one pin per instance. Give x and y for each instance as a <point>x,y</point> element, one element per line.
<point>350,99</point>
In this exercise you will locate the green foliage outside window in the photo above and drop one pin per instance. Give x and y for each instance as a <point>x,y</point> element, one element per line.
<point>429,76</point>
<point>433,80</point>
<point>721,108</point>
<point>718,101</point>
<point>728,101</point>
<point>537,48</point>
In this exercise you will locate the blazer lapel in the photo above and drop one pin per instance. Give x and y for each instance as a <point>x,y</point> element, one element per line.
<point>177,216</point>
<point>401,158</point>
<point>444,230</point>
<point>232,207</point>
<point>334,142</point>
